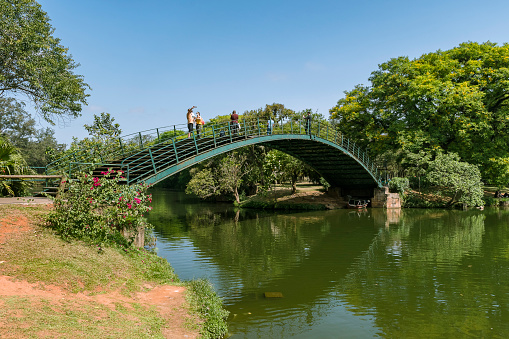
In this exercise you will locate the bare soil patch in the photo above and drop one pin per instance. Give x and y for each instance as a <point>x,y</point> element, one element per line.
<point>24,305</point>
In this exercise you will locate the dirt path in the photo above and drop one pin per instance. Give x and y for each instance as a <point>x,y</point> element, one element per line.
<point>168,300</point>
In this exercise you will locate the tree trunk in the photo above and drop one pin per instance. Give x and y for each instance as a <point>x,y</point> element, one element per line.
<point>236,194</point>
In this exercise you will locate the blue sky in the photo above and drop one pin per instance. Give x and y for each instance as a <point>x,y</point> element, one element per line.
<point>148,61</point>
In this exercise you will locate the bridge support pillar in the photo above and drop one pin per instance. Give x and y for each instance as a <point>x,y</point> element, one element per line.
<point>383,199</point>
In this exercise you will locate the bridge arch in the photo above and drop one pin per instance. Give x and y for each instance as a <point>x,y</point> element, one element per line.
<point>150,157</point>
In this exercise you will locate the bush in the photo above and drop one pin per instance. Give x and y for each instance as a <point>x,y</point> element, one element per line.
<point>100,210</point>
<point>399,185</point>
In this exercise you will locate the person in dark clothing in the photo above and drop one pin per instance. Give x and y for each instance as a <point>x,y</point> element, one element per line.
<point>307,123</point>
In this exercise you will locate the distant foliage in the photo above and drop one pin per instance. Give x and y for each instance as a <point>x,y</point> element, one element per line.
<point>99,210</point>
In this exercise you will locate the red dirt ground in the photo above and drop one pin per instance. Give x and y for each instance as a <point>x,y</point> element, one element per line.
<point>168,300</point>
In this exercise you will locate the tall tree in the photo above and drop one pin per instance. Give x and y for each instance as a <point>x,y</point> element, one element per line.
<point>455,101</point>
<point>20,130</point>
<point>35,64</point>
<point>15,123</point>
<point>103,127</point>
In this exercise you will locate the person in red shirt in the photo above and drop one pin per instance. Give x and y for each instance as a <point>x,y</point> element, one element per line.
<point>234,122</point>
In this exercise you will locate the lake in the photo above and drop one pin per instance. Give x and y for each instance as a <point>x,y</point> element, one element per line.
<point>406,273</point>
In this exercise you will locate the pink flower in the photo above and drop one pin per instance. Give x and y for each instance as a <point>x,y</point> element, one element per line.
<point>120,199</point>
<point>129,206</point>
<point>137,200</point>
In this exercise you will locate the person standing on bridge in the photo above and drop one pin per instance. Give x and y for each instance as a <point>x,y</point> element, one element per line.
<point>270,122</point>
<point>234,122</point>
<point>307,123</point>
<point>199,123</point>
<point>190,121</point>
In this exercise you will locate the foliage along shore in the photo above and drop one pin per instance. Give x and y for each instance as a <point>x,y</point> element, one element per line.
<point>317,198</point>
<point>39,256</point>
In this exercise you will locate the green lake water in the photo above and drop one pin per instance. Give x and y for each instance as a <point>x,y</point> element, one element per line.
<point>342,273</point>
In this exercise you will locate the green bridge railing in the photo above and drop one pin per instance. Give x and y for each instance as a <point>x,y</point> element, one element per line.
<point>149,151</point>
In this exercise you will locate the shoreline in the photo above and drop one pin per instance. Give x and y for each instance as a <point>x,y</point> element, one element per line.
<point>107,291</point>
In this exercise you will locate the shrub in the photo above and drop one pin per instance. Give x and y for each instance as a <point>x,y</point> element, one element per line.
<point>399,185</point>
<point>100,210</point>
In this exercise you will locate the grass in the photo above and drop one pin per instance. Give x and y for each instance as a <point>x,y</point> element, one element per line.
<point>70,318</point>
<point>39,256</point>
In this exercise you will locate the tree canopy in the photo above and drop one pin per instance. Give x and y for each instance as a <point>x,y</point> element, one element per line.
<point>17,127</point>
<point>35,64</point>
<point>453,101</point>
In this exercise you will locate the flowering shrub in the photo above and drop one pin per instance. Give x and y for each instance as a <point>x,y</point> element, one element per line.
<point>101,210</point>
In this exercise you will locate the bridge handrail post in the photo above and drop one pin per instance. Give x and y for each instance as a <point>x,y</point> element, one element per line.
<point>141,142</point>
<point>300,126</point>
<point>335,137</point>
<point>195,143</point>
<point>121,146</point>
<point>245,130</point>
<point>327,134</point>
<point>319,128</point>
<point>175,150</point>
<point>291,126</point>
<point>152,159</point>
<point>258,122</point>
<point>230,131</point>
<point>214,135</point>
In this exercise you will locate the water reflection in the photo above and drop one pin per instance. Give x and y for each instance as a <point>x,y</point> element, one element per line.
<point>398,273</point>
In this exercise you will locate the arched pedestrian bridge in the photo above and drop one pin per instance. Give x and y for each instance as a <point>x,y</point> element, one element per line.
<point>153,155</point>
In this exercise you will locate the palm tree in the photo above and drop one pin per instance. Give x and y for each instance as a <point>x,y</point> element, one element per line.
<point>12,163</point>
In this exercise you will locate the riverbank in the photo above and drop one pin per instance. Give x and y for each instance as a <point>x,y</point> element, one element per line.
<point>53,288</point>
<point>306,197</point>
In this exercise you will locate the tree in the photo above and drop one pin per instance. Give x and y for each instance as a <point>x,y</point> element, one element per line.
<point>454,101</point>
<point>284,167</point>
<point>460,180</point>
<point>203,184</point>
<point>20,129</point>
<point>15,123</point>
<point>103,127</point>
<point>35,64</point>
<point>222,175</point>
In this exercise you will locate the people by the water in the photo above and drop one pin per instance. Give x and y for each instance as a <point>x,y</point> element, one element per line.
<point>199,123</point>
<point>234,122</point>
<point>307,123</point>
<point>190,121</point>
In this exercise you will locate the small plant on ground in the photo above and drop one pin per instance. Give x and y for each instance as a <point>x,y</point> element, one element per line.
<point>101,210</point>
